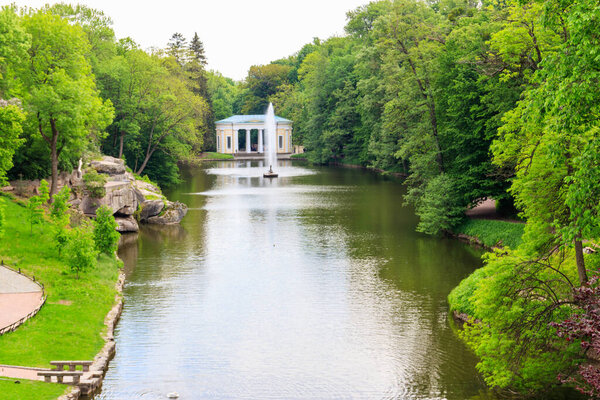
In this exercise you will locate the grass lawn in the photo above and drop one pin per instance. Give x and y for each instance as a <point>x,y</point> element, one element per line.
<point>30,390</point>
<point>70,324</point>
<point>301,156</point>
<point>492,232</point>
<point>209,155</point>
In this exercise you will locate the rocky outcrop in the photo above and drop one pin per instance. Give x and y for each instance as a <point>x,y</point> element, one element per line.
<point>110,166</point>
<point>127,224</point>
<point>150,208</point>
<point>129,198</point>
<point>172,213</point>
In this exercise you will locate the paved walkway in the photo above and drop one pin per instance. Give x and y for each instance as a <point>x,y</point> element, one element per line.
<point>18,296</point>
<point>11,371</point>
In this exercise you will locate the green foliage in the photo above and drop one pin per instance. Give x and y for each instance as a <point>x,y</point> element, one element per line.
<point>94,183</point>
<point>60,219</point>
<point>515,298</point>
<point>438,208</point>
<point>11,120</point>
<point>492,232</point>
<point>106,238</point>
<point>80,252</point>
<point>36,205</point>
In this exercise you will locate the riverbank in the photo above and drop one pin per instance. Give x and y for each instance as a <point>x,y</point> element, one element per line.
<point>71,325</point>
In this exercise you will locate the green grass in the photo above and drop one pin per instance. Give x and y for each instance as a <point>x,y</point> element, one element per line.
<point>493,232</point>
<point>30,390</point>
<point>299,155</point>
<point>209,155</point>
<point>70,324</point>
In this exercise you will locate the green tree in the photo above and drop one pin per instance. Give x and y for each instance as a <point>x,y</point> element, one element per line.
<point>197,51</point>
<point>35,205</point>
<point>11,119</point>
<point>80,252</point>
<point>177,48</point>
<point>60,219</point>
<point>106,238</point>
<point>14,42</point>
<point>62,101</point>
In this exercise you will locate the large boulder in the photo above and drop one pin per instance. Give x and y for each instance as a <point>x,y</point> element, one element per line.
<point>109,165</point>
<point>173,213</point>
<point>127,224</point>
<point>120,197</point>
<point>151,208</point>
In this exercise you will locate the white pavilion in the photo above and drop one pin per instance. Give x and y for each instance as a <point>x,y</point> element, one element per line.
<point>245,134</point>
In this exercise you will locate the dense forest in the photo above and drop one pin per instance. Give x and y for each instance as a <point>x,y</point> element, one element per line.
<point>468,99</point>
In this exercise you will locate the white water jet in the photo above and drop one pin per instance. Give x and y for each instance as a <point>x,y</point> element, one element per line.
<point>271,138</point>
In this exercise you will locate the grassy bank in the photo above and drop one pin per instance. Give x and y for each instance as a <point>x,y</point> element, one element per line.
<point>30,390</point>
<point>493,232</point>
<point>69,326</point>
<point>211,156</point>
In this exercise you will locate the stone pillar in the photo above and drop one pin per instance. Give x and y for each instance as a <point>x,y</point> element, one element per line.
<point>235,140</point>
<point>247,140</point>
<point>261,132</point>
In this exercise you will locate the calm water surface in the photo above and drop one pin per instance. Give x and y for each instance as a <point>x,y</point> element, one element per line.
<point>314,285</point>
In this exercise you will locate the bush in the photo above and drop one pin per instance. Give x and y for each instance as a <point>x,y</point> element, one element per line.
<point>460,298</point>
<point>439,207</point>
<point>94,183</point>
<point>106,238</point>
<point>81,251</point>
<point>35,206</point>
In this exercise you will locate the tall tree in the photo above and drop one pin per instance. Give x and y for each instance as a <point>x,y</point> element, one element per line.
<point>197,50</point>
<point>62,100</point>
<point>177,48</point>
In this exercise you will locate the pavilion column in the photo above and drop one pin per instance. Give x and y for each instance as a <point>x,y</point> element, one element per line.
<point>260,140</point>
<point>247,140</point>
<point>236,140</point>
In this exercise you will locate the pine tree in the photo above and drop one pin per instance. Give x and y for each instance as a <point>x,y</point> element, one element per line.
<point>196,49</point>
<point>177,48</point>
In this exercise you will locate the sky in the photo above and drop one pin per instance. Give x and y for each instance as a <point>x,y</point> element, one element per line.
<point>236,33</point>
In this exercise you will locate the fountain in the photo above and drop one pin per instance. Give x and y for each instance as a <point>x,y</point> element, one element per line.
<point>271,142</point>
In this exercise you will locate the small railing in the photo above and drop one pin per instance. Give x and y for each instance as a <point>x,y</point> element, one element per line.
<point>16,324</point>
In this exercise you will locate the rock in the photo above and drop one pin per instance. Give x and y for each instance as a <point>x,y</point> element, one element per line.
<point>127,224</point>
<point>148,188</point>
<point>151,208</point>
<point>109,165</point>
<point>173,213</point>
<point>7,188</point>
<point>120,197</point>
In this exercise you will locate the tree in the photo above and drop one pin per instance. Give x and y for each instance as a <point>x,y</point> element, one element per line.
<point>11,119</point>
<point>106,238</point>
<point>14,42</point>
<point>81,253</point>
<point>177,48</point>
<point>60,218</point>
<point>197,51</point>
<point>62,101</point>
<point>35,206</point>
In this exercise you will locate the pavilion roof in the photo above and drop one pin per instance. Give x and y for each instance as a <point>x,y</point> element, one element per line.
<point>245,119</point>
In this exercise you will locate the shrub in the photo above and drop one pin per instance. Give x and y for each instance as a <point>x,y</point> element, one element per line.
<point>60,204</point>
<point>106,238</point>
<point>35,206</point>
<point>81,251</point>
<point>94,183</point>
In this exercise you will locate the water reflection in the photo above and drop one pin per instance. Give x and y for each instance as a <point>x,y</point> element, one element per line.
<point>312,285</point>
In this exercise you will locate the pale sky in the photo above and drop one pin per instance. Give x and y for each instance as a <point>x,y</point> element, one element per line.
<point>236,33</point>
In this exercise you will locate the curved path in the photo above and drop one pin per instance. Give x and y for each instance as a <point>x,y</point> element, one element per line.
<point>19,296</point>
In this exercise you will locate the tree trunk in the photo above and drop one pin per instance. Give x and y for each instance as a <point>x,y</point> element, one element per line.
<point>580,261</point>
<point>121,137</point>
<point>146,159</point>
<point>54,155</point>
